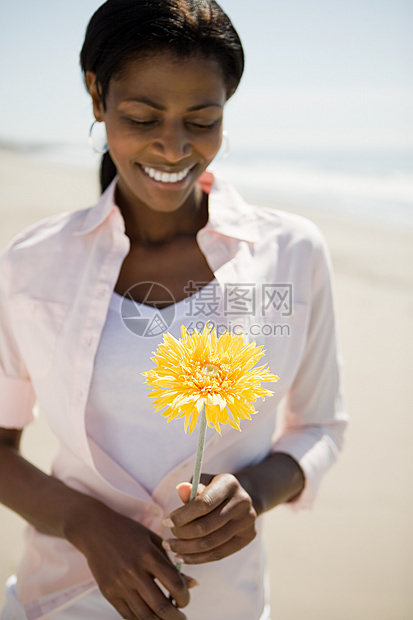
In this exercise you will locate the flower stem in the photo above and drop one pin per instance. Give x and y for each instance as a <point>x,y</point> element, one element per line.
<point>198,466</point>
<point>199,455</point>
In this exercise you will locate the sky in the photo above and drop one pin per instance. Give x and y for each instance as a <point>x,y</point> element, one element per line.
<point>320,74</point>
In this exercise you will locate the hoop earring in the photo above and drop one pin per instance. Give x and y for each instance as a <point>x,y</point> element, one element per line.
<point>224,150</point>
<point>92,144</point>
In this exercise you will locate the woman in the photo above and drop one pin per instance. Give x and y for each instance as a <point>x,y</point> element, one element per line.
<point>78,295</point>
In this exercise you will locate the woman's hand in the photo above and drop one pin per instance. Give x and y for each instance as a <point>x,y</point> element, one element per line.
<point>125,559</point>
<point>216,524</point>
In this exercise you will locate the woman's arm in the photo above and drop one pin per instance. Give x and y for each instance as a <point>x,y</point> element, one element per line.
<point>40,499</point>
<point>123,556</point>
<point>276,480</point>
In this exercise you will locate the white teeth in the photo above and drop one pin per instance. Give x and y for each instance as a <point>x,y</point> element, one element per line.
<point>166,177</point>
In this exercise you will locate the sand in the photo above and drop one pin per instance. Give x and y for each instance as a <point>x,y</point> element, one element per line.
<point>350,557</point>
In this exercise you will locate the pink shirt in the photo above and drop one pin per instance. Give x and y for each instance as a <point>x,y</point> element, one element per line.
<point>56,281</point>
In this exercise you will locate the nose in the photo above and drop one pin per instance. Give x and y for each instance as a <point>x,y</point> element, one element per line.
<point>172,143</point>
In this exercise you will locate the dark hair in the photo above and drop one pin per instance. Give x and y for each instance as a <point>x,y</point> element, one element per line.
<point>123,30</point>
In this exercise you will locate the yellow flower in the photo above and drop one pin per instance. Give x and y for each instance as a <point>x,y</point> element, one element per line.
<point>202,370</point>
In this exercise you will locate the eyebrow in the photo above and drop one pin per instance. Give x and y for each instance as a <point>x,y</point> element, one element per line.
<point>157,106</point>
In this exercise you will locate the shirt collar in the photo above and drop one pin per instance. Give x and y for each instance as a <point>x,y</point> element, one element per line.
<point>95,216</point>
<point>229,214</point>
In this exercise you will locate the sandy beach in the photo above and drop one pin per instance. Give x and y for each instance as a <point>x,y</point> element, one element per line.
<point>350,557</point>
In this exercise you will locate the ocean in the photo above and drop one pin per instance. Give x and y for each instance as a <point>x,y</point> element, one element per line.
<point>359,185</point>
<point>365,185</point>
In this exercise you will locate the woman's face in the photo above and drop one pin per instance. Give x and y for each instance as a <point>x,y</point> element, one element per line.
<point>164,127</point>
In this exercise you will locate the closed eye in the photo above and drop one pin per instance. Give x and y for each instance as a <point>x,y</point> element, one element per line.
<point>200,125</point>
<point>138,123</point>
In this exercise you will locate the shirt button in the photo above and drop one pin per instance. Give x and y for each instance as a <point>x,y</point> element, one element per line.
<point>155,511</point>
<point>102,290</point>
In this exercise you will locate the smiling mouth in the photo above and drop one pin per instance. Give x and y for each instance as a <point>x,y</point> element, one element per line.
<point>166,177</point>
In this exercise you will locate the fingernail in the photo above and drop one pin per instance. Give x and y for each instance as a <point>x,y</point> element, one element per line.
<point>166,545</point>
<point>191,582</point>
<point>168,522</point>
<point>179,560</point>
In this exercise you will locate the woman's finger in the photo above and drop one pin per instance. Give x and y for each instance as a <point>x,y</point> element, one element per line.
<point>184,491</point>
<point>123,609</point>
<point>221,488</point>
<point>160,566</point>
<point>237,509</point>
<point>151,602</point>
<point>245,527</point>
<point>232,546</point>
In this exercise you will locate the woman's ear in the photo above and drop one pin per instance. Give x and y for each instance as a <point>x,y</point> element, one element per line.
<point>92,87</point>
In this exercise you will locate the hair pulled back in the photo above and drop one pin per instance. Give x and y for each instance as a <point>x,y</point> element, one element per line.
<point>124,30</point>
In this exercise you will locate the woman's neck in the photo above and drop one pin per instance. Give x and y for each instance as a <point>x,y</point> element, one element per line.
<point>146,226</point>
